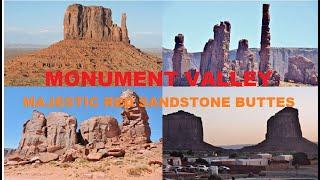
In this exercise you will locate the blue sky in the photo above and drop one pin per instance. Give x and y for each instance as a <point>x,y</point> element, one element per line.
<point>15,114</point>
<point>41,22</point>
<point>293,24</point>
<point>154,24</point>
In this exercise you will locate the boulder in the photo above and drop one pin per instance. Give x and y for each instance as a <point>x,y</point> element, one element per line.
<point>47,157</point>
<point>94,156</point>
<point>116,152</point>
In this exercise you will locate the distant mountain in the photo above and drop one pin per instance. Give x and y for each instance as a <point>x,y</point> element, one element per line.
<point>235,146</point>
<point>279,57</point>
<point>8,151</point>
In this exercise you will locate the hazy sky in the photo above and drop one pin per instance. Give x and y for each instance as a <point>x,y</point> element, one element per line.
<point>41,22</point>
<point>15,114</point>
<point>153,24</point>
<point>229,126</point>
<point>293,23</point>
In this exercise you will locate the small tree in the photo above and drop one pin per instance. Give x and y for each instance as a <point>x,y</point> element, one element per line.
<point>300,158</point>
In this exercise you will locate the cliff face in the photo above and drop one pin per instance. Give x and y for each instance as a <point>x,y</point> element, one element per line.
<point>284,135</point>
<point>184,131</point>
<point>284,124</point>
<point>301,70</point>
<point>93,22</point>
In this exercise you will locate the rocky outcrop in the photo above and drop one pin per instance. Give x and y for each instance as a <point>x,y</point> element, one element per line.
<point>214,57</point>
<point>284,135</point>
<point>135,126</point>
<point>34,135</point>
<point>99,129</point>
<point>301,70</point>
<point>184,131</point>
<point>61,130</point>
<point>94,23</point>
<point>55,136</point>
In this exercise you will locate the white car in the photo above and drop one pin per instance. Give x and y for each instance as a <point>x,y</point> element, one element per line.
<point>202,168</point>
<point>223,168</point>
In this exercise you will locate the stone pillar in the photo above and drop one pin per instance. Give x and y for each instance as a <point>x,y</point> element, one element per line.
<point>180,59</point>
<point>124,30</point>
<point>215,55</point>
<point>265,41</point>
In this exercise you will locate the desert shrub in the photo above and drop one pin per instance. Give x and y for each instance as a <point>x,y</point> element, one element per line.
<point>138,171</point>
<point>97,169</point>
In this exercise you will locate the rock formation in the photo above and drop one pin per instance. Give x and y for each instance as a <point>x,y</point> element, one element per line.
<point>180,60</point>
<point>301,70</point>
<point>34,134</point>
<point>214,57</point>
<point>184,131</point>
<point>284,135</point>
<point>94,23</point>
<point>135,126</point>
<point>246,57</point>
<point>91,43</point>
<point>55,137</point>
<point>61,130</point>
<point>265,40</point>
<point>124,30</point>
<point>279,58</point>
<point>99,129</point>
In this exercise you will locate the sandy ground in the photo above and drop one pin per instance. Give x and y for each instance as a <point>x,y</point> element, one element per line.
<point>132,166</point>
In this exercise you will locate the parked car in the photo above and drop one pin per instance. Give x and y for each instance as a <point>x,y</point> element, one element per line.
<point>202,168</point>
<point>190,168</point>
<point>223,169</point>
<point>177,168</point>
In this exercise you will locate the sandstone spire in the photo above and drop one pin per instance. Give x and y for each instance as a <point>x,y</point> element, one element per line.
<point>265,41</point>
<point>214,57</point>
<point>245,58</point>
<point>124,30</point>
<point>180,59</point>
